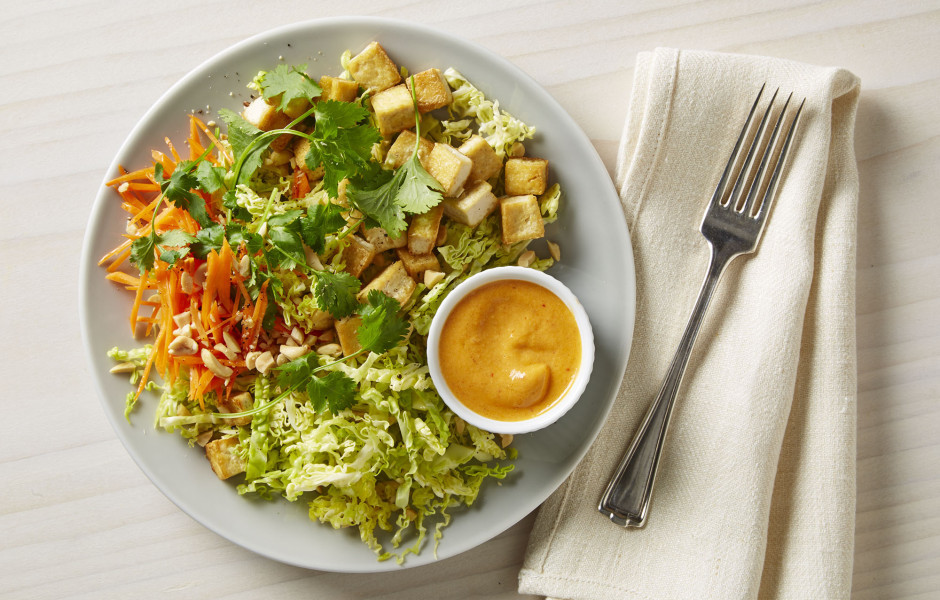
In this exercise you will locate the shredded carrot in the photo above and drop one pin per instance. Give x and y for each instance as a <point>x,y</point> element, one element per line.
<point>117,262</point>
<point>145,173</point>
<point>145,376</point>
<point>122,277</point>
<point>120,248</point>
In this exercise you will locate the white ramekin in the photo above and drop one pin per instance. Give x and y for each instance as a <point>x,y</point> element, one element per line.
<point>563,404</point>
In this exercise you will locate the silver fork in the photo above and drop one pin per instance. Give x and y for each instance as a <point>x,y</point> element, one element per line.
<point>732,225</point>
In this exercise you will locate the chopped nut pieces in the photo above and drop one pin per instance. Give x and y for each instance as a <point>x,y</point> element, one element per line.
<point>186,283</point>
<point>183,346</point>
<point>212,363</point>
<point>264,362</point>
<point>555,250</point>
<point>294,352</point>
<point>330,349</point>
<point>124,367</point>
<point>526,259</point>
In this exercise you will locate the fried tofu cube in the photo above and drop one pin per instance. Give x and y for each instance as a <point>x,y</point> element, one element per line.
<point>236,403</point>
<point>431,90</point>
<point>260,114</point>
<point>266,117</point>
<point>223,458</point>
<point>404,146</point>
<point>450,168</point>
<point>394,282</point>
<point>472,206</point>
<point>394,110</point>
<point>422,232</point>
<point>341,90</point>
<point>358,255</point>
<point>373,69</point>
<point>416,264</point>
<point>300,151</point>
<point>379,238</point>
<point>486,163</point>
<point>526,176</point>
<point>521,218</point>
<point>347,331</point>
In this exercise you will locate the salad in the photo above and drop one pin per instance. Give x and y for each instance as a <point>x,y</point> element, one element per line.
<point>284,275</point>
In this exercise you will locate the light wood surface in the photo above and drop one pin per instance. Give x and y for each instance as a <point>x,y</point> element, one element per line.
<point>79,519</point>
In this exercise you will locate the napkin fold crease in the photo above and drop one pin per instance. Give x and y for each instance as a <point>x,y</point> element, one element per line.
<point>755,496</point>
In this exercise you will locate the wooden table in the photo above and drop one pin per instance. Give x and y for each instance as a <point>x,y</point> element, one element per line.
<point>79,519</point>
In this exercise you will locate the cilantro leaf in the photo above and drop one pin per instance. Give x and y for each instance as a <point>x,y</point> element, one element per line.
<point>321,219</point>
<point>334,392</point>
<point>336,293</point>
<point>177,189</point>
<point>241,135</point>
<point>382,328</point>
<point>379,206</point>
<point>341,141</point>
<point>237,235</point>
<point>208,239</point>
<point>284,235</point>
<point>286,84</point>
<point>419,192</point>
<point>210,178</point>
<point>142,252</point>
<point>176,242</point>
<point>237,212</point>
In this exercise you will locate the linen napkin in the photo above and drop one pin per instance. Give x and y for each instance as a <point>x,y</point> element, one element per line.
<point>755,496</point>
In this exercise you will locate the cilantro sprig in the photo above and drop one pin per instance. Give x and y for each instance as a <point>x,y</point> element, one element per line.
<point>173,245</point>
<point>287,84</point>
<point>410,190</point>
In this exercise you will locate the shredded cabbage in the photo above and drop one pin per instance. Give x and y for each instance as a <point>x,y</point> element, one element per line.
<point>500,129</point>
<point>393,461</point>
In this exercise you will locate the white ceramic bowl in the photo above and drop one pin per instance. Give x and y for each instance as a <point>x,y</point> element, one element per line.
<point>560,406</point>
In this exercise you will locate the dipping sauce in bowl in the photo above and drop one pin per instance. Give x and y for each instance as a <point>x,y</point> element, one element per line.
<point>510,350</point>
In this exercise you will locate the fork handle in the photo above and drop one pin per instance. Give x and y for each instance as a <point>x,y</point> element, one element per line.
<point>627,498</point>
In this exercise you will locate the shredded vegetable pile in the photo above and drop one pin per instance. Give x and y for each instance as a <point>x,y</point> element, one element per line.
<point>271,331</point>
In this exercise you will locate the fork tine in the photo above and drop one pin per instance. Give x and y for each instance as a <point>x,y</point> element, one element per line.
<point>768,152</point>
<point>720,188</point>
<point>735,197</point>
<point>769,194</point>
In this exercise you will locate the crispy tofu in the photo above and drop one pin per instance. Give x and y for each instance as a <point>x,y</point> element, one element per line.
<point>472,206</point>
<point>237,403</point>
<point>347,331</point>
<point>223,458</point>
<point>341,90</point>
<point>394,282</point>
<point>431,90</point>
<point>301,148</point>
<point>373,69</point>
<point>404,146</point>
<point>380,239</point>
<point>486,163</point>
<point>526,176</point>
<point>450,168</point>
<point>394,110</point>
<point>266,117</point>
<point>358,255</point>
<point>521,218</point>
<point>422,232</point>
<point>416,264</point>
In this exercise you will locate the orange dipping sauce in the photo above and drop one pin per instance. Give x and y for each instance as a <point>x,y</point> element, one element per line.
<point>509,350</point>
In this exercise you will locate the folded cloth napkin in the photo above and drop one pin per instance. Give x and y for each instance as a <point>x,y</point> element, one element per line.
<point>755,496</point>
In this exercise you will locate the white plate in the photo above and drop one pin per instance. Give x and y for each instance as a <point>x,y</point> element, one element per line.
<point>597,264</point>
